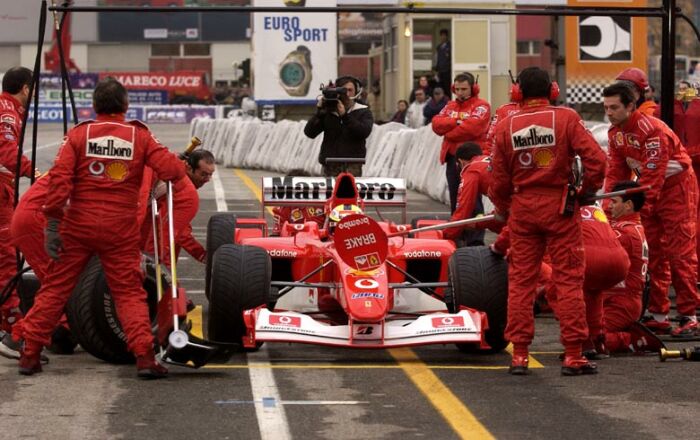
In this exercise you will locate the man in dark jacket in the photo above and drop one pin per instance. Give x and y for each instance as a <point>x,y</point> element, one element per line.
<point>345,128</point>
<point>435,104</point>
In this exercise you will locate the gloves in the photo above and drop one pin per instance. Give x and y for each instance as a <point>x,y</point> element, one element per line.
<point>52,238</point>
<point>495,252</point>
<point>499,217</point>
<point>586,198</point>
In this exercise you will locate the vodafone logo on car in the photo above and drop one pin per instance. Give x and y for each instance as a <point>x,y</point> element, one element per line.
<point>285,321</point>
<point>422,254</point>
<point>281,253</point>
<point>448,321</point>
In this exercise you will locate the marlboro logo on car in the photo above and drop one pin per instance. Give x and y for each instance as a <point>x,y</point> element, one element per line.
<point>315,190</point>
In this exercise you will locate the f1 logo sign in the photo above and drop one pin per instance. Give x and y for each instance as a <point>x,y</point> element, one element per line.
<point>605,38</point>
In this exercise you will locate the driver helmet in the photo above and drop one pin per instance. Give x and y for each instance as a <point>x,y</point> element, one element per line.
<point>340,212</point>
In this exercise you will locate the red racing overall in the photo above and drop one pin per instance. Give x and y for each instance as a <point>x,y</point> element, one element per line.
<point>11,112</point>
<point>669,214</point>
<point>100,168</point>
<point>531,163</point>
<point>475,182</point>
<point>622,305</point>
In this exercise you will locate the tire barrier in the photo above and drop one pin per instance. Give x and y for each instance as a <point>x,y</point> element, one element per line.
<point>393,150</point>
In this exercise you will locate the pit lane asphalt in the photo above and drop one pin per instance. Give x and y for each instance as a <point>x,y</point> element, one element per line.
<point>345,394</point>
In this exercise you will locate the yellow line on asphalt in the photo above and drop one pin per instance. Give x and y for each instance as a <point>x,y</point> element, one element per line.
<point>312,366</point>
<point>247,181</point>
<point>438,394</point>
<point>464,423</point>
<point>533,363</point>
<point>196,317</point>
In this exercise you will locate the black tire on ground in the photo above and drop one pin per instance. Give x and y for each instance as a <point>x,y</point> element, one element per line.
<point>220,231</point>
<point>26,290</point>
<point>92,315</point>
<point>240,280</point>
<point>480,281</point>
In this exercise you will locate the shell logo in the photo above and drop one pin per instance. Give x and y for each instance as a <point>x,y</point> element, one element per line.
<point>543,158</point>
<point>600,216</point>
<point>117,171</point>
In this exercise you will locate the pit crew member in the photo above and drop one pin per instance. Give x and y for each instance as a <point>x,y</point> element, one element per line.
<point>466,118</point>
<point>345,128</point>
<point>200,166</point>
<point>622,305</point>
<point>531,164</point>
<point>99,167</point>
<point>475,182</point>
<point>638,82</point>
<point>645,143</point>
<point>13,101</point>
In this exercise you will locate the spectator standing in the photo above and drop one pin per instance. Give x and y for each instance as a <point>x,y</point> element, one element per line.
<point>414,116</point>
<point>435,104</point>
<point>401,109</point>
<point>443,59</point>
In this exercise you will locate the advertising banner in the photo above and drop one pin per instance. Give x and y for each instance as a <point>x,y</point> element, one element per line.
<point>148,97</point>
<point>598,48</point>
<point>293,53</point>
<point>77,80</point>
<point>169,81</point>
<point>176,115</point>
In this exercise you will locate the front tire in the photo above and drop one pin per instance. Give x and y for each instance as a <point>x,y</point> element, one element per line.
<point>480,281</point>
<point>240,280</point>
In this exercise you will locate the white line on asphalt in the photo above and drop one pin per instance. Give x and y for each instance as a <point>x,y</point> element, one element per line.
<point>270,402</point>
<point>272,420</point>
<point>219,193</point>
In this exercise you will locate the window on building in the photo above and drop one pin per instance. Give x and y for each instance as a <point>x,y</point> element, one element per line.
<point>395,48</point>
<point>165,50</point>
<point>529,47</point>
<point>387,51</point>
<point>196,49</point>
<point>356,48</point>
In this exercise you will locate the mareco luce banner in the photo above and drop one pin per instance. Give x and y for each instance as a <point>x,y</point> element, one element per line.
<point>293,53</point>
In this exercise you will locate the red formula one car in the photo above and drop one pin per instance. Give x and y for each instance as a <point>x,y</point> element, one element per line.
<point>352,281</point>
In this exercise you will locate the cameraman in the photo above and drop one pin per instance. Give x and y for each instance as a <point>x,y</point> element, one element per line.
<point>345,124</point>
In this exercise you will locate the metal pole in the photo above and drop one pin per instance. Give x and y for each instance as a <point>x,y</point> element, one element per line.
<point>668,60</point>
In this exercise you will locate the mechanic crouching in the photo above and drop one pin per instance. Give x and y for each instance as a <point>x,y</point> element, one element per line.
<point>99,168</point>
<point>200,165</point>
<point>531,164</point>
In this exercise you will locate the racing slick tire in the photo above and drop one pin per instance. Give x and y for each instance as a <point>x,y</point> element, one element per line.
<point>479,280</point>
<point>220,231</point>
<point>93,318</point>
<point>240,280</point>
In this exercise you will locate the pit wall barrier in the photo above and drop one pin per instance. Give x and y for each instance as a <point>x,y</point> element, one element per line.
<point>393,150</point>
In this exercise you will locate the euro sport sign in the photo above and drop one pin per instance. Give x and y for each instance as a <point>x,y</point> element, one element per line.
<point>360,242</point>
<point>375,191</point>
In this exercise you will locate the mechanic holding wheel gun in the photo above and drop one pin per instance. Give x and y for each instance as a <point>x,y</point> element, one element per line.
<point>531,162</point>
<point>99,168</point>
<point>200,166</point>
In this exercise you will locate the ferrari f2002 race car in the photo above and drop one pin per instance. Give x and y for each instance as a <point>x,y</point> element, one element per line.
<point>350,281</point>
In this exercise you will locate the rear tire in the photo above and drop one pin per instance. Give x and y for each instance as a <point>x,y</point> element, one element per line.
<point>220,231</point>
<point>240,280</point>
<point>92,315</point>
<point>480,281</point>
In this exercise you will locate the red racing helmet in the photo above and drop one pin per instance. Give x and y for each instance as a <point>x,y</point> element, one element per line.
<point>636,76</point>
